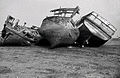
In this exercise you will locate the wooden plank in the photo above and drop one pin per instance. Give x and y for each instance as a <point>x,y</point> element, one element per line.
<point>19,34</point>
<point>63,13</point>
<point>63,9</point>
<point>102,20</point>
<point>76,10</point>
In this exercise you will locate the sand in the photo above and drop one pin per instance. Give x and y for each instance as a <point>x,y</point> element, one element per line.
<point>64,62</point>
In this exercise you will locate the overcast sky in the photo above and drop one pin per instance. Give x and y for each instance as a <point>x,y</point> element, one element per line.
<point>34,11</point>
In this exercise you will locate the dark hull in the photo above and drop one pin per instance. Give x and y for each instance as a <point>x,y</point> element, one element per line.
<point>56,33</point>
<point>15,34</point>
<point>1,41</point>
<point>86,35</point>
<point>18,33</point>
<point>94,30</point>
<point>15,40</point>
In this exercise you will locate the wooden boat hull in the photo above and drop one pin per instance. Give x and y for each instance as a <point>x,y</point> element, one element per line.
<point>20,34</point>
<point>58,34</point>
<point>19,38</point>
<point>15,34</point>
<point>15,40</point>
<point>88,39</point>
<point>94,30</point>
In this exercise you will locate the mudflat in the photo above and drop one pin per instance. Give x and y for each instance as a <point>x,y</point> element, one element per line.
<point>64,62</point>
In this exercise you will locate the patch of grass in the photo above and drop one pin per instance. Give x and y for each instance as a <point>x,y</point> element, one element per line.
<point>4,70</point>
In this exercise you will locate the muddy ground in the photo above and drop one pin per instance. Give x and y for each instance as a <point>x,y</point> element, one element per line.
<point>40,62</point>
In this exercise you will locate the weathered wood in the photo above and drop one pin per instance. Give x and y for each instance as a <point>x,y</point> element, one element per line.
<point>60,13</point>
<point>76,10</point>
<point>103,21</point>
<point>58,31</point>
<point>63,9</point>
<point>95,31</point>
<point>103,24</point>
<point>20,34</point>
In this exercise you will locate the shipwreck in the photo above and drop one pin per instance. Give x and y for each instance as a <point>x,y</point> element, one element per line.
<point>94,30</point>
<point>60,29</point>
<point>15,34</point>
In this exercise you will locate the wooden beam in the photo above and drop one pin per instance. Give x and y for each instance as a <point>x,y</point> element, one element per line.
<point>59,13</point>
<point>76,10</point>
<point>63,9</point>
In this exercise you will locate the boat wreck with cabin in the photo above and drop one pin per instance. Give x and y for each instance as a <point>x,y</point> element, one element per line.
<point>60,29</point>
<point>94,30</point>
<point>14,34</point>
